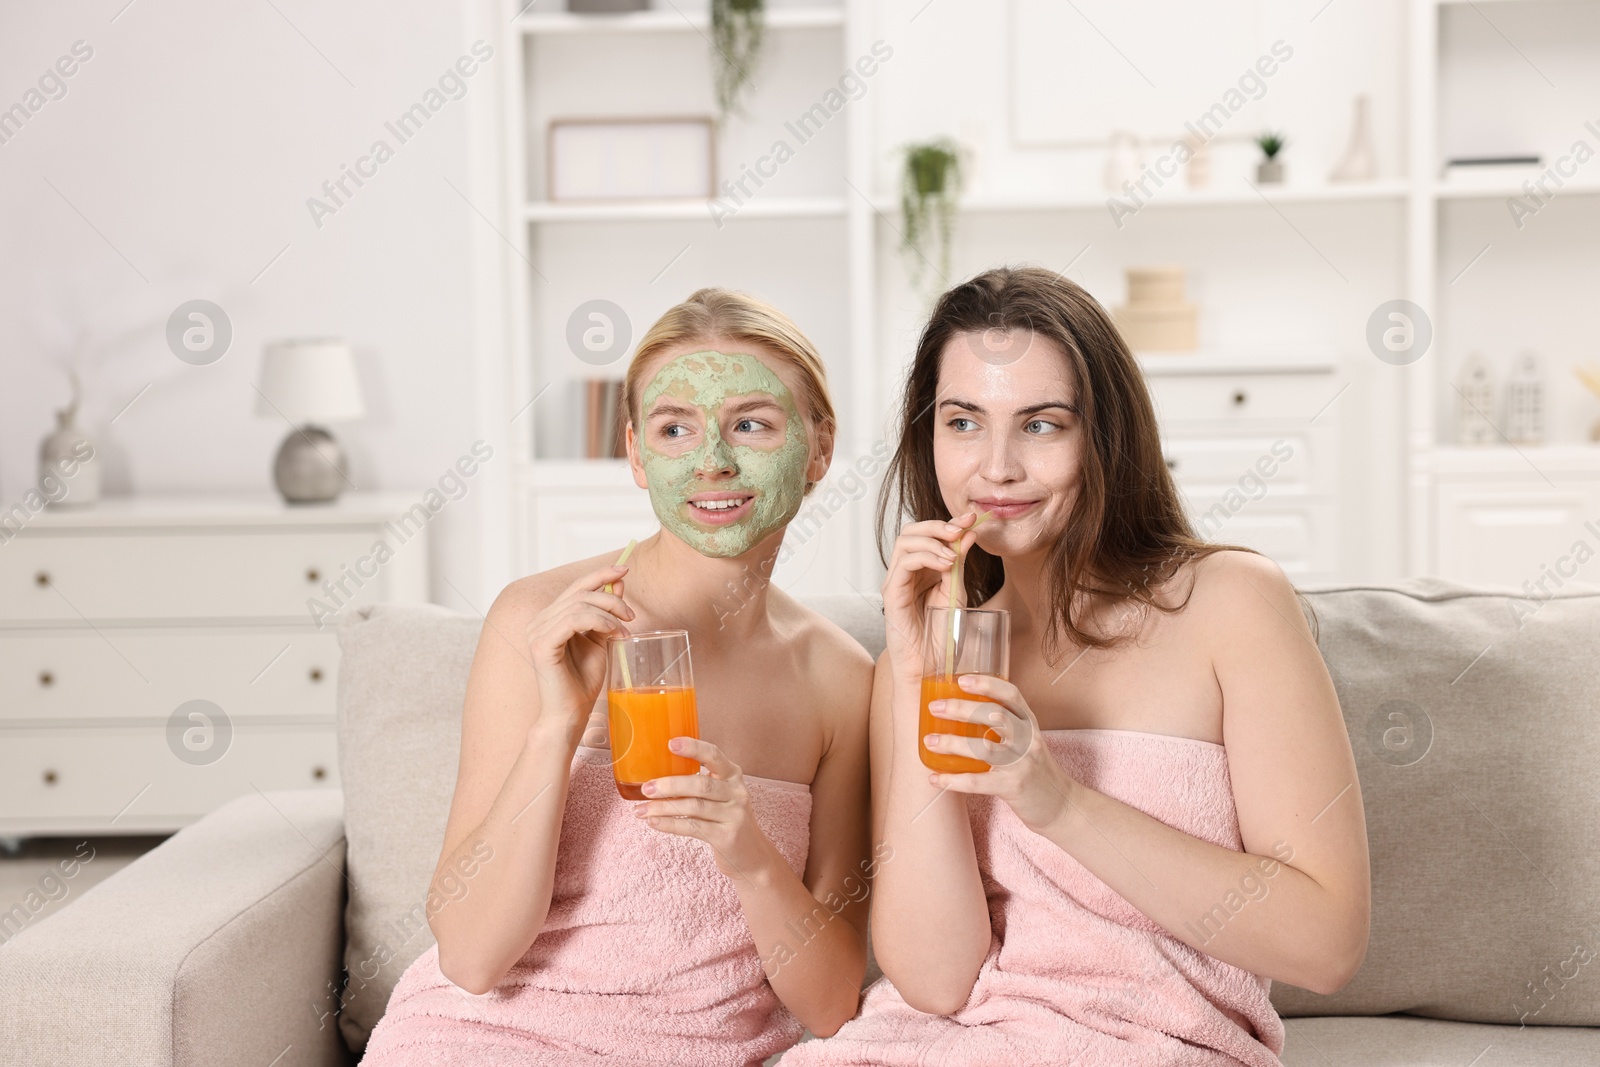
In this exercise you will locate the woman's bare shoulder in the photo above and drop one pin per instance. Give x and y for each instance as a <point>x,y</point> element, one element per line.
<point>1238,593</point>
<point>527,596</point>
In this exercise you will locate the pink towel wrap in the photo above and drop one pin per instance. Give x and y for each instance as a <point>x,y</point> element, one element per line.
<point>1085,978</point>
<point>645,958</point>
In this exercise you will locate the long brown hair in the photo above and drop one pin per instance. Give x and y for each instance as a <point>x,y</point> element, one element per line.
<point>1128,531</point>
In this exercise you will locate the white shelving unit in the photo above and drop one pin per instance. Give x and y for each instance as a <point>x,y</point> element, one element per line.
<point>1495,514</point>
<point>822,243</point>
<point>566,506</point>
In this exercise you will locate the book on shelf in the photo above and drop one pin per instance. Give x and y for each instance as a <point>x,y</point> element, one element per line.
<point>603,419</point>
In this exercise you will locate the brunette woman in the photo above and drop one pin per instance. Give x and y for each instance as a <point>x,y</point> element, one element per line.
<point>1168,816</point>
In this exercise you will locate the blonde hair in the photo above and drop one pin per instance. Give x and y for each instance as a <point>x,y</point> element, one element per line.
<point>711,315</point>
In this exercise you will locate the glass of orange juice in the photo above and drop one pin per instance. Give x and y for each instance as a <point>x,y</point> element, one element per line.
<point>959,641</point>
<point>650,697</point>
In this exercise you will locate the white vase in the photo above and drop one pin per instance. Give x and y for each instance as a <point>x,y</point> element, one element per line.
<point>1197,172</point>
<point>69,469</point>
<point>1358,164</point>
<point>1124,161</point>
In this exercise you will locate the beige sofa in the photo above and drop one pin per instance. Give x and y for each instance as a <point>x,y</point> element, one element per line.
<point>1473,717</point>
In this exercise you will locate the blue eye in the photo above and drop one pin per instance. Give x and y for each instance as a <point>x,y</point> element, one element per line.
<point>1045,423</point>
<point>960,425</point>
<point>673,430</point>
<point>750,426</point>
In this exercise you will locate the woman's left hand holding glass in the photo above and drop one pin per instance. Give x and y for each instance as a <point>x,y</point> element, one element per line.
<point>1021,770</point>
<point>713,807</point>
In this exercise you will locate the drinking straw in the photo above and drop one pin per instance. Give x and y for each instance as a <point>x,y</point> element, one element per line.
<point>623,559</point>
<point>622,653</point>
<point>950,621</point>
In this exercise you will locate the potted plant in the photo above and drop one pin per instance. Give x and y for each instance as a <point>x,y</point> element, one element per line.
<point>736,31</point>
<point>929,186</point>
<point>1270,170</point>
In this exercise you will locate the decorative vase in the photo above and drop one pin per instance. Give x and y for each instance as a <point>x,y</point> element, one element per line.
<point>1475,388</point>
<point>1525,402</point>
<point>1269,172</point>
<point>1197,171</point>
<point>69,470</point>
<point>1124,160</point>
<point>1358,164</point>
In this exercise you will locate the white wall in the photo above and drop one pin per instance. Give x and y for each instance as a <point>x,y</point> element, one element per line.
<point>187,146</point>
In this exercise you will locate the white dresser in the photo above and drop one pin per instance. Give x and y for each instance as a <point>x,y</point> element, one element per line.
<point>161,656</point>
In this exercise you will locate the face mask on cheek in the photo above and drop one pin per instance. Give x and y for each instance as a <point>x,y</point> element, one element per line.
<point>776,476</point>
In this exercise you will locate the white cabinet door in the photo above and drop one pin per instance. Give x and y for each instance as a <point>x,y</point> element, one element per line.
<point>1507,532</point>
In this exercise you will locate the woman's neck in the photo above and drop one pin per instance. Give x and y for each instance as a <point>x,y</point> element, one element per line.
<point>671,582</point>
<point>1025,591</point>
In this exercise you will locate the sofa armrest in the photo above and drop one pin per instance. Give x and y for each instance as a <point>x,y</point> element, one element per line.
<point>218,946</point>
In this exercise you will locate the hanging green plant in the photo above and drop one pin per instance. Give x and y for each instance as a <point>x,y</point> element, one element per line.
<point>737,27</point>
<point>929,187</point>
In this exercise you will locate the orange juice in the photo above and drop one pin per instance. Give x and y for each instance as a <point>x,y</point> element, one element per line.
<point>944,687</point>
<point>642,722</point>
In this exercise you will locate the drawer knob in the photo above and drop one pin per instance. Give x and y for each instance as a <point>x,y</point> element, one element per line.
<point>42,579</point>
<point>316,674</point>
<point>313,575</point>
<point>1172,464</point>
<point>319,773</point>
<point>50,777</point>
<point>1239,397</point>
<point>46,679</point>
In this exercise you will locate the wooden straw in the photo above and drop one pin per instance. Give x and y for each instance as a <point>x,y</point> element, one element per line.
<point>950,620</point>
<point>622,652</point>
<point>623,558</point>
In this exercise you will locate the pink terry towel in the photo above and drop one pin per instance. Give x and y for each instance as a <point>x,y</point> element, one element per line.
<point>645,957</point>
<point>1075,974</point>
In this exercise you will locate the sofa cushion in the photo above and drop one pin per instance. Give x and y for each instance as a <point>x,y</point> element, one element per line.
<point>402,676</point>
<point>1472,715</point>
<point>401,682</point>
<point>1403,1041</point>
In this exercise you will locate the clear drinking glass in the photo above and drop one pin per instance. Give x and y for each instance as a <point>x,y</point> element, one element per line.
<point>959,641</point>
<point>650,700</point>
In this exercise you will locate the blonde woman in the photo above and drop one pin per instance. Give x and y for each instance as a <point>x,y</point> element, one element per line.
<point>709,922</point>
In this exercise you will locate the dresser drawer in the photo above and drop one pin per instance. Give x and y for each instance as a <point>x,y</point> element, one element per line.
<point>124,672</point>
<point>1301,537</point>
<point>76,575</point>
<point>1280,397</point>
<point>1253,464</point>
<point>127,780</point>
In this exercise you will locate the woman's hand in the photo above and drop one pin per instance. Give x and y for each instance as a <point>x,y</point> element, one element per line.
<point>1022,772</point>
<point>713,807</point>
<point>567,644</point>
<point>919,576</point>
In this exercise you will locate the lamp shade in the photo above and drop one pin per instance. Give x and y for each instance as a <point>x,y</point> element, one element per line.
<point>310,381</point>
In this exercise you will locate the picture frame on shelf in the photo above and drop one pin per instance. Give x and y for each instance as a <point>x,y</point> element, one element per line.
<point>597,160</point>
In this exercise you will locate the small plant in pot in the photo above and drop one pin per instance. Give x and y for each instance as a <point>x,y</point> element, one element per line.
<point>737,27</point>
<point>929,186</point>
<point>1270,170</point>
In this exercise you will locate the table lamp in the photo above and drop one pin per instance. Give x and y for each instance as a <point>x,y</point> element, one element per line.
<point>309,382</point>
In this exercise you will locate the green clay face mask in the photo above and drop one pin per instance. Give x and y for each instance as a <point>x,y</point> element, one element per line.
<point>714,444</point>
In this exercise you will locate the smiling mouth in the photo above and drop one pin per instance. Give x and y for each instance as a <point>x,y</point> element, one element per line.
<point>1005,509</point>
<point>720,508</point>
